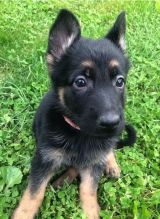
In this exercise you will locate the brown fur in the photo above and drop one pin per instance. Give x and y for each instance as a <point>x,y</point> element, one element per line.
<point>112,168</point>
<point>50,60</point>
<point>30,203</point>
<point>88,64</point>
<point>68,176</point>
<point>61,95</point>
<point>113,63</point>
<point>88,196</point>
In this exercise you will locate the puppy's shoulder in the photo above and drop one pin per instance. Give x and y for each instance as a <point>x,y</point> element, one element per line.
<point>47,104</point>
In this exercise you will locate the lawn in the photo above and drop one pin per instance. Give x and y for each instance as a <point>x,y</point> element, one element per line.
<point>24,29</point>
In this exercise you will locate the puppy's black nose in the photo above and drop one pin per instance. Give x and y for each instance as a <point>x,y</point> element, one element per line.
<point>109,120</point>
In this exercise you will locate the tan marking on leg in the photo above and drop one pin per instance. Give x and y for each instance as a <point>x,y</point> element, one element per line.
<point>30,203</point>
<point>68,176</point>
<point>88,196</point>
<point>113,63</point>
<point>61,95</point>
<point>112,168</point>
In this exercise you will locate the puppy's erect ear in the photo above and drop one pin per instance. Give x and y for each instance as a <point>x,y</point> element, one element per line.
<point>63,33</point>
<point>117,32</point>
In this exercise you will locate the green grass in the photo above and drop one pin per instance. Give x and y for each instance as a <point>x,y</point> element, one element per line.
<point>24,28</point>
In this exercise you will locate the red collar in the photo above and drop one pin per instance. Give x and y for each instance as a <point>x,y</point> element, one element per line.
<point>71,123</point>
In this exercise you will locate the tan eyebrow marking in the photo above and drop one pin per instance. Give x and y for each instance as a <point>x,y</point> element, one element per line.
<point>88,63</point>
<point>113,63</point>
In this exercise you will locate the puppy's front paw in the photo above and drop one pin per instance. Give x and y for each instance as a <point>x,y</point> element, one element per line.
<point>113,170</point>
<point>92,211</point>
<point>22,214</point>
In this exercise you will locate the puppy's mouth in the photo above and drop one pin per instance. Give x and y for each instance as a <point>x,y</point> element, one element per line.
<point>71,123</point>
<point>97,133</point>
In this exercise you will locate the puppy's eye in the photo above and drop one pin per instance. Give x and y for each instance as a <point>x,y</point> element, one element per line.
<point>119,82</point>
<point>80,82</point>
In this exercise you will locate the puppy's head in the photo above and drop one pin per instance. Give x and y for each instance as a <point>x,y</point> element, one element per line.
<point>89,75</point>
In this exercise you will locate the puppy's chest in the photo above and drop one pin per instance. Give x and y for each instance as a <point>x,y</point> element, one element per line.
<point>77,151</point>
<point>80,159</point>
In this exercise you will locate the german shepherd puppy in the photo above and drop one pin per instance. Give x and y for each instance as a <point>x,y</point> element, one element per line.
<point>80,120</point>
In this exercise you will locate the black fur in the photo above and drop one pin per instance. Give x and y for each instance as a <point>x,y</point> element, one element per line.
<point>97,108</point>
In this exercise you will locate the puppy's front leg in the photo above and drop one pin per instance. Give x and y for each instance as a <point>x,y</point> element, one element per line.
<point>34,194</point>
<point>112,168</point>
<point>88,193</point>
<point>30,202</point>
